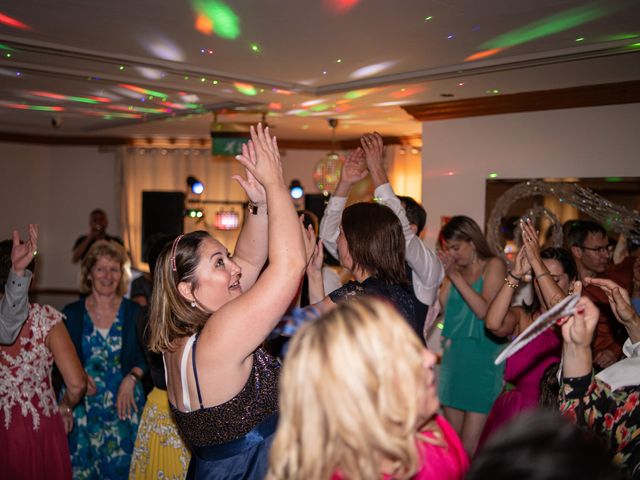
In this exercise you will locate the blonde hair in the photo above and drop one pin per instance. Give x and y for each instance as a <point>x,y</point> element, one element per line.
<point>112,250</point>
<point>171,317</point>
<point>349,396</point>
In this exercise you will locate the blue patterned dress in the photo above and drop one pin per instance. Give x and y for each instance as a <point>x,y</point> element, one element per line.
<point>100,443</point>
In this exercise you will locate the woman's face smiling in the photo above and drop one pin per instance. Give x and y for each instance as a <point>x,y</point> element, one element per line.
<point>217,276</point>
<point>105,276</point>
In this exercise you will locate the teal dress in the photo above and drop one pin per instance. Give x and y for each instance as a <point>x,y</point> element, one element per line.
<point>469,380</point>
<point>100,443</point>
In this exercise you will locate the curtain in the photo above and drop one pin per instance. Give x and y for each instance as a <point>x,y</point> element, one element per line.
<point>166,169</point>
<point>405,171</point>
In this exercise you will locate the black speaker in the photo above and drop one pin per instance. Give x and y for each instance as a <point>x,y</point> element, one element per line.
<point>315,202</point>
<point>162,213</point>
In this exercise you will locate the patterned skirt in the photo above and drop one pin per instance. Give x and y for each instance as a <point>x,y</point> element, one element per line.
<point>159,451</point>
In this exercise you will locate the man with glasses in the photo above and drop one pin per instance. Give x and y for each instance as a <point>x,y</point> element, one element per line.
<point>589,245</point>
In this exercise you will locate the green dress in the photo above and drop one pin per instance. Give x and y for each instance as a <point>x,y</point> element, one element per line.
<point>469,380</point>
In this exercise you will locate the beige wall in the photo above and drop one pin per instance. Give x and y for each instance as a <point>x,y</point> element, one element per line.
<point>581,142</point>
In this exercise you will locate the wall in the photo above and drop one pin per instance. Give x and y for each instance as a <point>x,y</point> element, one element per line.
<point>458,155</point>
<point>55,187</point>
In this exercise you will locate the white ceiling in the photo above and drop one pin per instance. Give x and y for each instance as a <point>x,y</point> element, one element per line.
<point>149,70</point>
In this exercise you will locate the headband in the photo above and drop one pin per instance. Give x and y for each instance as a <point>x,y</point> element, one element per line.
<point>173,252</point>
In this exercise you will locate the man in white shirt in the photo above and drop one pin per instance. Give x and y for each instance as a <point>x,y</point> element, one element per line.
<point>427,272</point>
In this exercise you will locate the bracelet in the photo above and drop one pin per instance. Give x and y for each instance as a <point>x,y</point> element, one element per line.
<point>253,208</point>
<point>542,275</point>
<point>509,284</point>
<point>134,376</point>
<point>515,277</point>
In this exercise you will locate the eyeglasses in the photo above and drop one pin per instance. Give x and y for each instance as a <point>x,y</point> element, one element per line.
<point>607,249</point>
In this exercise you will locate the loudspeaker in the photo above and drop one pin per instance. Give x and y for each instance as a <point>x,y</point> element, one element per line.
<point>162,213</point>
<point>315,202</point>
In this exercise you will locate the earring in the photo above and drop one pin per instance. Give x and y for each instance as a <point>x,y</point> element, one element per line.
<point>193,304</point>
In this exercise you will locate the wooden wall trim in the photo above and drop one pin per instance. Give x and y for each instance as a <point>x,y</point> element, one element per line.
<point>285,144</point>
<point>574,97</point>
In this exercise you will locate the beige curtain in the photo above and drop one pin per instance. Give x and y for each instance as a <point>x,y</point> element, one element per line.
<point>405,171</point>
<point>166,169</point>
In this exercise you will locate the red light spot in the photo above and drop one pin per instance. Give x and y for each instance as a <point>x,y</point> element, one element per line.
<point>484,54</point>
<point>204,24</point>
<point>275,106</point>
<point>12,22</point>
<point>340,6</point>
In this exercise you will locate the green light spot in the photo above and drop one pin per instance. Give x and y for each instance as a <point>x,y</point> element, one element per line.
<point>319,108</point>
<point>339,60</point>
<point>493,175</point>
<point>6,47</point>
<point>622,36</point>
<point>107,117</point>
<point>44,109</point>
<point>215,82</point>
<point>440,325</point>
<point>121,67</point>
<point>613,179</point>
<point>226,23</point>
<point>426,19</point>
<point>246,89</point>
<point>83,100</point>
<point>494,91</point>
<point>580,39</point>
<point>8,55</point>
<point>353,94</point>
<point>548,26</point>
<point>634,45</point>
<point>255,48</point>
<point>186,77</point>
<point>203,79</point>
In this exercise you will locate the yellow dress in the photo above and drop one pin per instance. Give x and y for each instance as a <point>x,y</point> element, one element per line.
<point>159,451</point>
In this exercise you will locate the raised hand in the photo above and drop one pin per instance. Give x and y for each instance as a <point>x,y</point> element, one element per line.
<point>521,266</point>
<point>618,299</point>
<point>261,157</point>
<point>23,253</point>
<point>577,330</point>
<point>252,187</point>
<point>354,168</point>
<point>309,237</point>
<point>530,241</point>
<point>373,149</point>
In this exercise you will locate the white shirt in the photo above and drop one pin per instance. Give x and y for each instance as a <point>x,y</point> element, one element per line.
<point>626,372</point>
<point>428,272</point>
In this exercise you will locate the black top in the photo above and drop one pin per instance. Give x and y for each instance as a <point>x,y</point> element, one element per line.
<point>105,237</point>
<point>154,360</point>
<point>399,297</point>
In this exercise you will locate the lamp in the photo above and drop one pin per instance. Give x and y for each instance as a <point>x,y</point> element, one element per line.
<point>196,185</point>
<point>295,189</point>
<point>327,171</point>
<point>227,220</point>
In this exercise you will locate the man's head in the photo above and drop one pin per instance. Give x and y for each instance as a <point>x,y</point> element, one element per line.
<point>98,220</point>
<point>416,215</point>
<point>589,246</point>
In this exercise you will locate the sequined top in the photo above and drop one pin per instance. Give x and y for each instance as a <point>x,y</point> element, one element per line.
<point>231,420</point>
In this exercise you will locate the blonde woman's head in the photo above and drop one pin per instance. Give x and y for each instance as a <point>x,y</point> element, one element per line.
<point>355,389</point>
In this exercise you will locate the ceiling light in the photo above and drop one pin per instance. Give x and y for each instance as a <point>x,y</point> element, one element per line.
<point>196,185</point>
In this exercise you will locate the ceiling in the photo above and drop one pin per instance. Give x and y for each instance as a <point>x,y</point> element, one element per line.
<point>159,68</point>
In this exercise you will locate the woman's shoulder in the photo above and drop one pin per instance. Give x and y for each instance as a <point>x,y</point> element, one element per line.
<point>74,309</point>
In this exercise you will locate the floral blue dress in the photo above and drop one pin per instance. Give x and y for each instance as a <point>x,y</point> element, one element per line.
<point>100,443</point>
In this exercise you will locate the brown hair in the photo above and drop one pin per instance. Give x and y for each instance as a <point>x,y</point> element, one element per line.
<point>112,250</point>
<point>465,229</point>
<point>171,316</point>
<point>376,242</point>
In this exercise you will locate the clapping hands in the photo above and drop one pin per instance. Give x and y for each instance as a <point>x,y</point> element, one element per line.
<point>22,253</point>
<point>261,158</point>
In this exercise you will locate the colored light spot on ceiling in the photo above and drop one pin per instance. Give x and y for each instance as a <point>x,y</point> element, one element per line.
<point>298,112</point>
<point>483,54</point>
<point>353,94</point>
<point>150,73</point>
<point>144,91</point>
<point>621,36</point>
<point>281,91</point>
<point>548,26</point>
<point>163,48</point>
<point>494,91</point>
<point>428,19</point>
<point>579,39</point>
<point>319,108</point>
<point>371,69</point>
<point>8,55</point>
<point>39,108</point>
<point>203,24</point>
<point>406,92</point>
<point>340,6</point>
<point>634,45</point>
<point>275,106</point>
<point>305,127</point>
<point>245,89</point>
<point>493,175</point>
<point>223,20</point>
<point>255,48</point>
<point>12,22</point>
<point>339,60</point>
<point>310,103</point>
<point>6,48</point>
<point>139,109</point>
<point>613,179</point>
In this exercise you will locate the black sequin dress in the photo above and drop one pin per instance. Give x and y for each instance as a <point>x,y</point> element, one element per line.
<point>232,440</point>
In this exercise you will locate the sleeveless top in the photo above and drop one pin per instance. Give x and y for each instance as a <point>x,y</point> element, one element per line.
<point>459,319</point>
<point>236,417</point>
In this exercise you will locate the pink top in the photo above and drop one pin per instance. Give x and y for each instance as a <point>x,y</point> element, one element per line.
<point>447,461</point>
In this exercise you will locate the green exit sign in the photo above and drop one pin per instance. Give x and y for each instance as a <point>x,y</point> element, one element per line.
<point>227,146</point>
